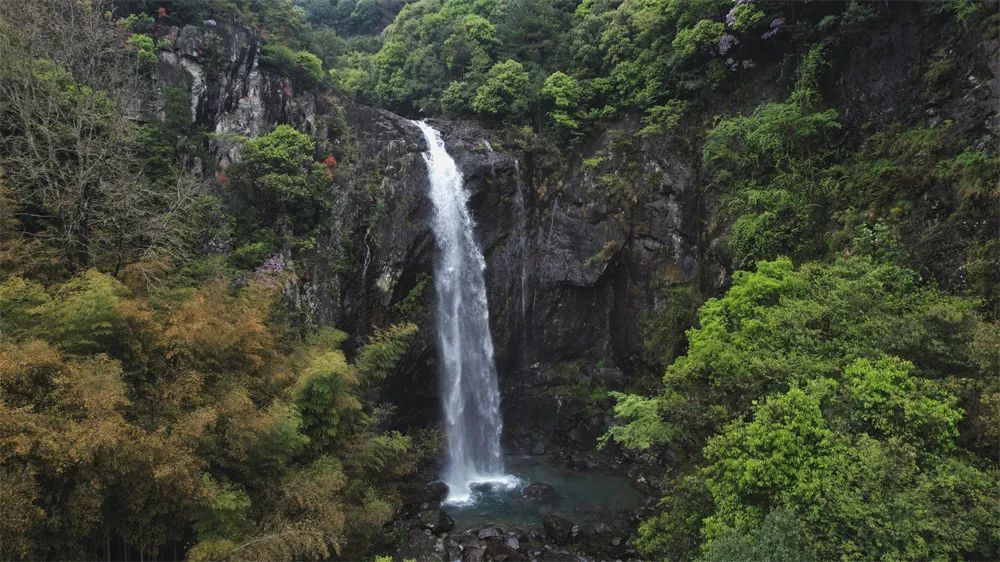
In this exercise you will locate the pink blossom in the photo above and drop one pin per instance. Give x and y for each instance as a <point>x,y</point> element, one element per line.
<point>727,42</point>
<point>269,273</point>
<point>776,25</point>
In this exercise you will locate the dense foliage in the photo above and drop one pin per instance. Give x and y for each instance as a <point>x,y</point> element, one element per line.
<point>832,394</point>
<point>159,397</point>
<point>186,416</point>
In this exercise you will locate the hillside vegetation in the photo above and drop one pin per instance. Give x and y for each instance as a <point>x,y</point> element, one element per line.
<point>838,397</point>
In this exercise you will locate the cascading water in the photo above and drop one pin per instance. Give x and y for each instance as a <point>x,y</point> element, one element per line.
<point>521,224</point>
<point>469,392</point>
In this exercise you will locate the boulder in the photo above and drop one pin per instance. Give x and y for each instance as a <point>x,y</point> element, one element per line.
<point>423,546</point>
<point>435,520</point>
<point>490,533</point>
<point>474,553</point>
<point>501,551</point>
<point>558,529</point>
<point>436,491</point>
<point>539,492</point>
<point>603,539</point>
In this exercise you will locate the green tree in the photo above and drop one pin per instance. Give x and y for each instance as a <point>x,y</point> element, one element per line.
<point>303,66</point>
<point>281,181</point>
<point>705,34</point>
<point>855,496</point>
<point>566,95</point>
<point>505,91</point>
<point>845,369</point>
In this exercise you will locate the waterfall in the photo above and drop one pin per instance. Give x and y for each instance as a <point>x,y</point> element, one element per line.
<point>469,391</point>
<point>552,222</point>
<point>367,262</point>
<point>521,224</point>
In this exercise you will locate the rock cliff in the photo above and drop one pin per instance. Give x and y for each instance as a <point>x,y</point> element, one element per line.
<point>575,256</point>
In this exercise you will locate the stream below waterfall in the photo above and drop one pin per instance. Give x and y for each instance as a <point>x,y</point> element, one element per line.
<point>581,497</point>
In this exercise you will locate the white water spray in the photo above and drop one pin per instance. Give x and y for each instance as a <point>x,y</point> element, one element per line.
<point>469,391</point>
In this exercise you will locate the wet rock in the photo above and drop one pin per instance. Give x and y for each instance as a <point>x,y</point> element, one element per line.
<point>490,533</point>
<point>422,546</point>
<point>581,462</point>
<point>453,549</point>
<point>539,492</point>
<point>558,529</point>
<point>604,539</point>
<point>435,520</point>
<point>436,491</point>
<point>500,551</point>
<point>608,376</point>
<point>474,553</point>
<point>521,534</point>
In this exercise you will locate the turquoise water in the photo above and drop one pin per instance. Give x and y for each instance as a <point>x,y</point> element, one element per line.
<point>583,496</point>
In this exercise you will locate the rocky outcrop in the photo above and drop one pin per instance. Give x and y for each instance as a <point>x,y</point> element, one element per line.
<point>579,242</point>
<point>569,272</point>
<point>560,540</point>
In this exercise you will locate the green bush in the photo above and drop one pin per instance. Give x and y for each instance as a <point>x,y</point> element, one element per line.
<point>303,66</point>
<point>144,47</point>
<point>976,173</point>
<point>138,23</point>
<point>690,41</point>
<point>663,119</point>
<point>566,95</point>
<point>774,171</point>
<point>309,67</point>
<point>249,256</point>
<point>505,91</point>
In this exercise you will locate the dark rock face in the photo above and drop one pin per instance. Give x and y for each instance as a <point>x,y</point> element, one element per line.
<point>568,274</point>
<point>423,546</point>
<point>219,69</point>
<point>602,539</point>
<point>490,533</point>
<point>232,95</point>
<point>500,545</point>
